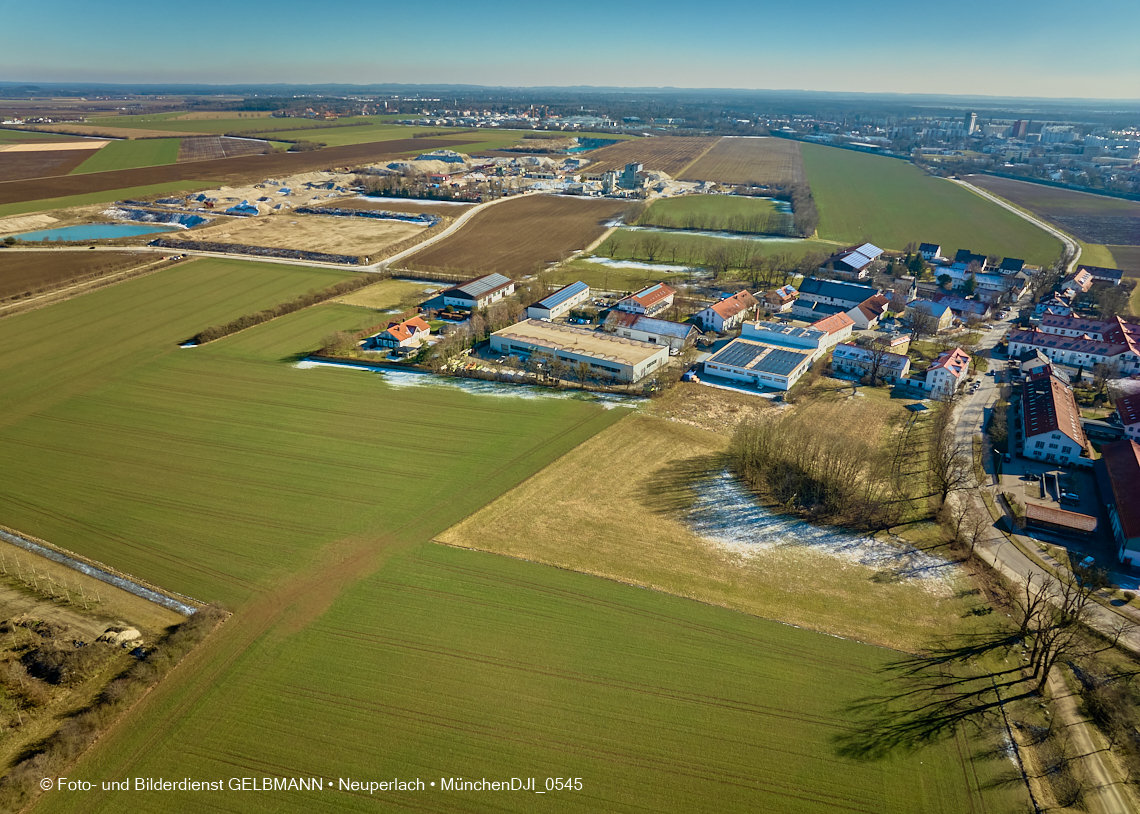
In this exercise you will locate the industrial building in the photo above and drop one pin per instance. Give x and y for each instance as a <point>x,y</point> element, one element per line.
<point>626,360</point>
<point>759,364</point>
<point>560,303</point>
<point>676,335</point>
<point>480,292</point>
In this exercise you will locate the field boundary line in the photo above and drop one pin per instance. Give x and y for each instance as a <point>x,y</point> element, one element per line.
<point>681,172</point>
<point>1070,243</point>
<point>102,572</point>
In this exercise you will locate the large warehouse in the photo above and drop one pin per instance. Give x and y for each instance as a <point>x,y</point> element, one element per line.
<point>760,364</point>
<point>625,359</point>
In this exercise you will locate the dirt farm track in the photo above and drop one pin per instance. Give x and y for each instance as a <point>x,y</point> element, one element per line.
<point>212,172</point>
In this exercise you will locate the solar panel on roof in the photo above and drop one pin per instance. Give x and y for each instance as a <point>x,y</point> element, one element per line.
<point>740,354</point>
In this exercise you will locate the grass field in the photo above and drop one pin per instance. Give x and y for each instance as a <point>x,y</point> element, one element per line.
<point>174,122</point>
<point>22,136</point>
<point>667,154</point>
<point>1127,259</point>
<point>306,498</point>
<point>1097,219</point>
<point>1097,255</point>
<point>102,196</point>
<point>632,529</point>
<point>700,208</point>
<point>126,155</point>
<point>750,160</point>
<point>678,247</point>
<point>521,236</point>
<point>389,294</point>
<point>609,278</point>
<point>892,203</point>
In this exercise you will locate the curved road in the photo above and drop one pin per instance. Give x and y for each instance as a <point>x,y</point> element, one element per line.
<point>1073,247</point>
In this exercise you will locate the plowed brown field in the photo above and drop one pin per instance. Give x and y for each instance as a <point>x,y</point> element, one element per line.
<point>26,272</point>
<point>670,155</point>
<point>208,148</point>
<point>39,163</point>
<point>521,236</point>
<point>750,160</point>
<point>227,170</point>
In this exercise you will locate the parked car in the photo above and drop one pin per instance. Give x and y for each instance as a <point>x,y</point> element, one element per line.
<point>1070,497</point>
<point>1087,562</point>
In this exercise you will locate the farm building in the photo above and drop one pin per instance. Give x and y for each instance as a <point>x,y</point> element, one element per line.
<point>627,360</point>
<point>480,292</point>
<point>947,372</point>
<point>836,328</point>
<point>649,300</point>
<point>728,313</point>
<point>890,367</point>
<point>1128,408</point>
<point>821,298</point>
<point>781,299</point>
<point>854,262</point>
<point>1052,421</point>
<point>759,364</point>
<point>1059,521</point>
<point>409,333</point>
<point>560,302</point>
<point>648,329</point>
<point>868,313</point>
<point>1119,474</point>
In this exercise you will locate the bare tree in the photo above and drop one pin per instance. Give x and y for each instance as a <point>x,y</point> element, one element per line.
<point>949,465</point>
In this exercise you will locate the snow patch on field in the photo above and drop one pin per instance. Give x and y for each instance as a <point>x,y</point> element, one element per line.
<point>726,513</point>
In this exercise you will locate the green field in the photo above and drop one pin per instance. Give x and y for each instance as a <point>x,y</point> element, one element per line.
<point>714,212</point>
<point>307,499</point>
<point>127,155</point>
<point>28,135</point>
<point>344,136</point>
<point>892,203</point>
<point>106,196</point>
<point>217,127</point>
<point>1095,254</point>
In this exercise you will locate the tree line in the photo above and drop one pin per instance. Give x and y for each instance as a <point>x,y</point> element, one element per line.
<point>281,309</point>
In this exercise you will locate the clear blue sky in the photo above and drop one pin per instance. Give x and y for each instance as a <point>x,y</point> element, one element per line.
<point>990,47</point>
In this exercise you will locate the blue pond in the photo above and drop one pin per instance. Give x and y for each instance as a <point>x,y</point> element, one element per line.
<point>96,231</point>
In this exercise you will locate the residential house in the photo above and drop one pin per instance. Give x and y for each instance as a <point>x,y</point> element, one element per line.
<point>407,334</point>
<point>836,328</point>
<point>963,308</point>
<point>1083,342</point>
<point>1079,282</point>
<point>891,367</point>
<point>821,298</point>
<point>1128,408</point>
<point>1103,275</point>
<point>780,300</point>
<point>1121,468</point>
<point>855,262</point>
<point>649,300</point>
<point>964,257</point>
<point>1011,265</point>
<point>943,314</point>
<point>560,303</point>
<point>1058,305</point>
<point>1051,421</point>
<point>867,314</point>
<point>480,292</point>
<point>930,251</point>
<point>728,313</point>
<point>947,372</point>
<point>648,329</point>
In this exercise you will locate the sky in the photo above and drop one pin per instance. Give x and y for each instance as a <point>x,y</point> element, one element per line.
<point>1043,48</point>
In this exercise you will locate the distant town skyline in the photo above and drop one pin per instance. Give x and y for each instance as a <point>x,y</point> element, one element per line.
<point>1002,48</point>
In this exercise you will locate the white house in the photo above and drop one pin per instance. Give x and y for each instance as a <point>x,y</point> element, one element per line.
<point>836,328</point>
<point>947,372</point>
<point>728,313</point>
<point>1052,422</point>
<point>822,298</point>
<point>1083,343</point>
<point>560,303</point>
<point>781,299</point>
<point>892,367</point>
<point>409,333</point>
<point>649,300</point>
<point>1128,408</point>
<point>867,314</point>
<point>480,292</point>
<point>930,252</point>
